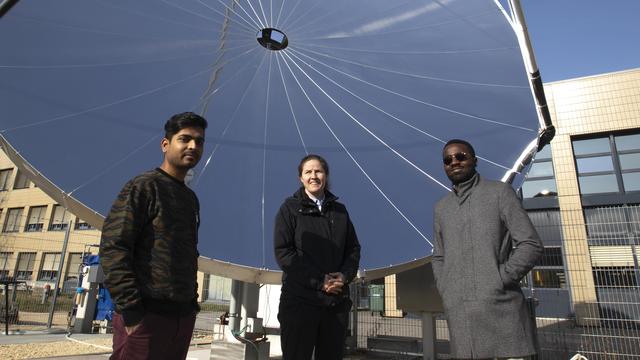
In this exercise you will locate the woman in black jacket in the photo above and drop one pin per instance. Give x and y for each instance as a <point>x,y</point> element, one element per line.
<point>318,251</point>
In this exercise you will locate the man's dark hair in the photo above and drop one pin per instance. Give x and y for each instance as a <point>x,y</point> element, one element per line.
<point>323,163</point>
<point>463,142</point>
<point>183,120</point>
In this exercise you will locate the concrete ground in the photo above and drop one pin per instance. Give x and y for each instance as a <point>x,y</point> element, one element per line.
<point>219,349</point>
<point>54,335</point>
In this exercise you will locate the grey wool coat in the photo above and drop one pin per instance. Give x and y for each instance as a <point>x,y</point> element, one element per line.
<point>484,245</point>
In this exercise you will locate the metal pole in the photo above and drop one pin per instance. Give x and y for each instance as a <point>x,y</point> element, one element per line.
<point>547,130</point>
<point>524,159</point>
<point>6,308</point>
<point>6,5</point>
<point>57,284</point>
<point>428,336</point>
<point>519,24</point>
<point>532,302</point>
<point>354,318</point>
<point>635,260</point>
<point>249,305</point>
<point>235,305</point>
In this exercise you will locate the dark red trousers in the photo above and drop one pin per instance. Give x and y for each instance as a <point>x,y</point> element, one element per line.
<point>158,337</point>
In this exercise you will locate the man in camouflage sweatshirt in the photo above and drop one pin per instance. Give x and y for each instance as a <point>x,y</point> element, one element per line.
<point>148,251</point>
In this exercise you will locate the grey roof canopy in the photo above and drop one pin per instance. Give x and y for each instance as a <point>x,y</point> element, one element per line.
<point>374,86</point>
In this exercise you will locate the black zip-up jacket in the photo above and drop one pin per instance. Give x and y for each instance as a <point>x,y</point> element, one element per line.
<point>310,243</point>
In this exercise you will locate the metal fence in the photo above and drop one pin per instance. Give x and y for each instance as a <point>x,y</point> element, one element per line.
<point>586,287</point>
<point>35,252</point>
<point>26,308</point>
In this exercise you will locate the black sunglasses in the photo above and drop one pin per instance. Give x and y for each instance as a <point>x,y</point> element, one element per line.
<point>460,156</point>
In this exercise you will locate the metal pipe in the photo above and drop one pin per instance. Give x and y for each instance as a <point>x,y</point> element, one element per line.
<point>6,5</point>
<point>57,284</point>
<point>6,307</point>
<point>235,304</point>
<point>547,130</point>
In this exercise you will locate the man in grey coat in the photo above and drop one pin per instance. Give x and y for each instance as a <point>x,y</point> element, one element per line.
<point>484,245</point>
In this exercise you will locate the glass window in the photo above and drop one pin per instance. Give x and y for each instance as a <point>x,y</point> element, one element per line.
<point>73,268</point>
<point>548,225</point>
<point>83,225</point>
<point>595,164</point>
<point>538,188</point>
<point>631,181</point>
<point>541,169</point>
<point>12,221</point>
<point>548,278</point>
<point>593,156</point>
<point>606,221</point>
<point>545,153</point>
<point>24,270</point>
<point>22,182</point>
<point>634,219</point>
<point>598,184</point>
<point>4,264</point>
<point>630,161</point>
<point>5,175</point>
<point>591,146</point>
<point>628,142</point>
<point>219,288</point>
<point>552,256</point>
<point>49,270</point>
<point>608,225</point>
<point>36,218</point>
<point>618,277</point>
<point>60,219</point>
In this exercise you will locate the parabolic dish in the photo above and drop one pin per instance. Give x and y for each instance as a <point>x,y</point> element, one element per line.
<point>374,86</point>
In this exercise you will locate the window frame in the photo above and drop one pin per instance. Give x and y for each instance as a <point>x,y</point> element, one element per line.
<point>4,183</point>
<point>21,181</point>
<point>54,225</point>
<point>82,225</point>
<point>73,267</point>
<point>604,277</point>
<point>614,154</point>
<point>628,235</point>
<point>49,274</point>
<point>561,281</point>
<point>20,274</point>
<point>17,219</point>
<point>543,157</point>
<point>39,225</point>
<point>5,257</point>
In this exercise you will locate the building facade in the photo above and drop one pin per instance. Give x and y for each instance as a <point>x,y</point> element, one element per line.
<point>32,232</point>
<point>583,195</point>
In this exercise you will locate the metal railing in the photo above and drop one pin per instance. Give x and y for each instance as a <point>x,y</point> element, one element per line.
<point>587,289</point>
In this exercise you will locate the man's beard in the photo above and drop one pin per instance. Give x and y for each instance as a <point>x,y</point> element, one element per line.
<point>462,176</point>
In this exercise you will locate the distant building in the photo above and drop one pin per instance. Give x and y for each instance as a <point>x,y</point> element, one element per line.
<point>583,195</point>
<point>32,231</point>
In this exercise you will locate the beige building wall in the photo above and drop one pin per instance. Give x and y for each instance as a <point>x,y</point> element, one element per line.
<point>596,104</point>
<point>40,242</point>
<point>390,297</point>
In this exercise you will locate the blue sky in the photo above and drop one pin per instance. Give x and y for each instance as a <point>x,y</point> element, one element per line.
<point>574,38</point>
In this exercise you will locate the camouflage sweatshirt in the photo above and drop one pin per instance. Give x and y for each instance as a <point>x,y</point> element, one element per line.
<point>148,249</point>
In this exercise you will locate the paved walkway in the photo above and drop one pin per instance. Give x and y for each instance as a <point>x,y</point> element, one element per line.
<point>221,350</point>
<point>32,337</point>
